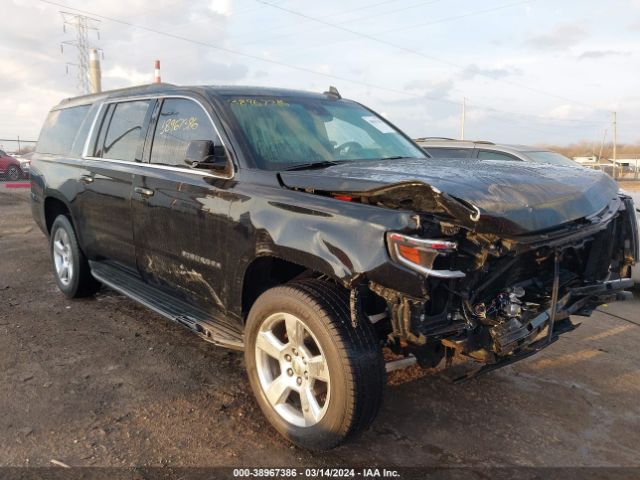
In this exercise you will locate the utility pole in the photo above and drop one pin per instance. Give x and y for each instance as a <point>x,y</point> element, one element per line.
<point>464,114</point>
<point>82,25</point>
<point>615,143</point>
<point>604,136</point>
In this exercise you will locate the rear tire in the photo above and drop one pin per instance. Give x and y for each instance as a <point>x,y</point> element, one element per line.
<point>13,173</point>
<point>302,351</point>
<point>70,266</point>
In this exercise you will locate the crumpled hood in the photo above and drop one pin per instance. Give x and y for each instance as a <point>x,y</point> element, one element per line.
<point>512,197</point>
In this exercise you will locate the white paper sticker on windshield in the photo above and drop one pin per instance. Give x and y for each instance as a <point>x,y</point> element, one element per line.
<point>378,124</point>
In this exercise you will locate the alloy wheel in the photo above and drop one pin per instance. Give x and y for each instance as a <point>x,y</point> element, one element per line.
<point>62,256</point>
<point>292,370</point>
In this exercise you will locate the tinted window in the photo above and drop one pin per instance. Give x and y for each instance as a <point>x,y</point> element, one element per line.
<point>449,152</point>
<point>60,130</point>
<point>488,155</point>
<point>282,132</point>
<point>551,157</point>
<point>123,127</point>
<point>180,122</point>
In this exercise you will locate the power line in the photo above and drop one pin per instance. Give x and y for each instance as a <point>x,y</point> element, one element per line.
<point>423,55</point>
<point>281,63</point>
<point>357,19</point>
<point>235,52</point>
<point>454,17</point>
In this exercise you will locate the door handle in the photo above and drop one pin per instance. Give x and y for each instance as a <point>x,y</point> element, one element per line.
<point>145,192</point>
<point>87,178</point>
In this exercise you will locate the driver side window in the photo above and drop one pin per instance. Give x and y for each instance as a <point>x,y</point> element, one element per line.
<point>180,121</point>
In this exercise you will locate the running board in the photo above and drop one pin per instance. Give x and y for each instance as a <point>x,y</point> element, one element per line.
<point>200,322</point>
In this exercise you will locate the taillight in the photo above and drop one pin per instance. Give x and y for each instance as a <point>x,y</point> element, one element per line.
<point>420,253</point>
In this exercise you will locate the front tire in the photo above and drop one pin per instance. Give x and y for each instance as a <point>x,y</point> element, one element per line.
<point>317,379</point>
<point>70,266</point>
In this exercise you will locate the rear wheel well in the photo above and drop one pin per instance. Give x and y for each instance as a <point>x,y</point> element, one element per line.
<point>52,208</point>
<point>267,272</point>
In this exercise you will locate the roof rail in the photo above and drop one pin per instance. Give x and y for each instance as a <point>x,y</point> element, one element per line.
<point>435,138</point>
<point>484,142</point>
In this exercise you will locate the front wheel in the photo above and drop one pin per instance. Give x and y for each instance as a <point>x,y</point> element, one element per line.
<point>317,378</point>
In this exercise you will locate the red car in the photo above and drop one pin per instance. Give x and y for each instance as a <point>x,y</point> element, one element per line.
<point>9,167</point>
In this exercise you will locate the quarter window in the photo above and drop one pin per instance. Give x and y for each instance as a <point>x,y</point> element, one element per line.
<point>180,122</point>
<point>121,130</point>
<point>448,152</point>
<point>60,130</point>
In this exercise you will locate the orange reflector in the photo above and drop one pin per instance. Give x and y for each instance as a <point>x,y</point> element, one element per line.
<point>346,198</point>
<point>410,253</point>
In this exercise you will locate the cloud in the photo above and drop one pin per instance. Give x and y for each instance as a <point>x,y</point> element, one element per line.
<point>437,89</point>
<point>561,37</point>
<point>596,54</point>
<point>567,111</point>
<point>474,70</point>
<point>221,7</point>
<point>634,27</point>
<point>127,76</point>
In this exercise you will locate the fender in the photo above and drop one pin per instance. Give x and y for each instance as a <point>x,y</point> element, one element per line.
<point>342,240</point>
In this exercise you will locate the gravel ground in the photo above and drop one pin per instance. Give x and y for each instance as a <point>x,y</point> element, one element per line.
<point>105,382</point>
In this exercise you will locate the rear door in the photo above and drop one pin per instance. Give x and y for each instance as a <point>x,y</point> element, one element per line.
<point>115,151</point>
<point>181,214</point>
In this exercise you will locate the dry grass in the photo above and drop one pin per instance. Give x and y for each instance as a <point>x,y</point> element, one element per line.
<point>584,148</point>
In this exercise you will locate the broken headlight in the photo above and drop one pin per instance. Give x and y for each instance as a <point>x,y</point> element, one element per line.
<point>419,253</point>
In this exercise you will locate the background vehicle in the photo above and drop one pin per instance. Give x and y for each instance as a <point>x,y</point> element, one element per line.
<point>310,232</point>
<point>449,148</point>
<point>25,163</point>
<point>10,168</point>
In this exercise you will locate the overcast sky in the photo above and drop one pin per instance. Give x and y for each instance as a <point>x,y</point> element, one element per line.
<point>537,71</point>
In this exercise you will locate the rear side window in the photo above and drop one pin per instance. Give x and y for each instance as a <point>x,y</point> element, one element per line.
<point>448,152</point>
<point>121,131</point>
<point>60,130</point>
<point>489,155</point>
<point>180,122</point>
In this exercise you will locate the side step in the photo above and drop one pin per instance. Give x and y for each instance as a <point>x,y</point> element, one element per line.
<point>200,322</point>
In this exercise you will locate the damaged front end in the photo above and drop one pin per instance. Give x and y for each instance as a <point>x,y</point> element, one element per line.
<point>496,298</point>
<point>491,296</point>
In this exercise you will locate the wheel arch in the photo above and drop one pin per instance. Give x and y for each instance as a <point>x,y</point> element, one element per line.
<point>54,206</point>
<point>268,271</point>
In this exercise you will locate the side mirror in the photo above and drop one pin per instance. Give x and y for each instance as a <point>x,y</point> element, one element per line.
<point>205,154</point>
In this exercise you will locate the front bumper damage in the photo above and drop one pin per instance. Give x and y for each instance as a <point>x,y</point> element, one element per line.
<point>517,294</point>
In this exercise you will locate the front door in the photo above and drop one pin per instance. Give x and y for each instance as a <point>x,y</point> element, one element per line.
<point>181,214</point>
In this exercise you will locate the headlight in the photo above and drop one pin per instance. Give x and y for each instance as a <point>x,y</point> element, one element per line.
<point>420,253</point>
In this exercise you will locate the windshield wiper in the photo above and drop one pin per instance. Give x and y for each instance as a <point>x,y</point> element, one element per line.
<point>399,157</point>
<point>312,165</point>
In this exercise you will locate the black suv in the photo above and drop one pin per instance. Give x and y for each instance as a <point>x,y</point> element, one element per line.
<point>310,232</point>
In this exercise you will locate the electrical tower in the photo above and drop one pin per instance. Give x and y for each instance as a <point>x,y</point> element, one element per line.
<point>82,25</point>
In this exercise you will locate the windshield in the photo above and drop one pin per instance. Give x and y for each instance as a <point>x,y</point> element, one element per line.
<point>285,132</point>
<point>551,157</point>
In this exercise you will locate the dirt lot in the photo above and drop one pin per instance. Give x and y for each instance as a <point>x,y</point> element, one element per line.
<point>106,382</point>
